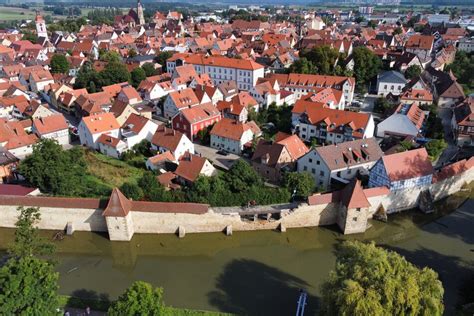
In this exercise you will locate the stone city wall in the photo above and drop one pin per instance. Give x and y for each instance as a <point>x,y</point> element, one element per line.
<point>216,219</point>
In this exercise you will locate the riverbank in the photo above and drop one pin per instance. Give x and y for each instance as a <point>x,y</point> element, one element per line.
<point>100,307</point>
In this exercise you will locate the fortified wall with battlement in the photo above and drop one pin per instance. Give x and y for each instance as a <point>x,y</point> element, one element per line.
<point>121,218</point>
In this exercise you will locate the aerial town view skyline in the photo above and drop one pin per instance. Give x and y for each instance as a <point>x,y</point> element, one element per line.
<point>237,158</point>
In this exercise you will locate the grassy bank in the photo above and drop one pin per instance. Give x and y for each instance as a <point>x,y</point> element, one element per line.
<point>109,171</point>
<point>100,305</point>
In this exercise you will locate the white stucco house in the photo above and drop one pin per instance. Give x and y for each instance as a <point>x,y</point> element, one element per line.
<point>91,127</point>
<point>390,82</point>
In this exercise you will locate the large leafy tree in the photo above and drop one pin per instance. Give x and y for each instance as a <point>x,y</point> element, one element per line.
<point>59,64</point>
<point>139,299</point>
<point>412,72</point>
<point>369,280</point>
<point>323,58</point>
<point>114,72</point>
<point>301,184</point>
<point>366,64</point>
<point>302,66</point>
<point>149,69</point>
<point>28,285</point>
<point>137,76</point>
<point>54,170</point>
<point>161,59</point>
<point>463,68</point>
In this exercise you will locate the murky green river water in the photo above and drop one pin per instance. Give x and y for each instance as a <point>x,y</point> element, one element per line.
<point>256,273</point>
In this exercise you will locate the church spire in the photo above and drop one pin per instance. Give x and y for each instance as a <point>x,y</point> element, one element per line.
<point>141,19</point>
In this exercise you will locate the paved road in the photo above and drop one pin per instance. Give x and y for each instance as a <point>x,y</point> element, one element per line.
<point>452,149</point>
<point>219,161</point>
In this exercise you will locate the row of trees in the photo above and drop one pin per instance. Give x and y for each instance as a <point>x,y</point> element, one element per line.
<point>114,72</point>
<point>367,280</point>
<point>238,186</point>
<point>325,60</point>
<point>103,16</point>
<point>65,173</point>
<point>322,60</point>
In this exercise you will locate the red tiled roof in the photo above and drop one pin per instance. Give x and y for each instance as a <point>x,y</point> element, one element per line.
<point>190,166</point>
<point>50,124</point>
<point>15,189</point>
<point>408,164</point>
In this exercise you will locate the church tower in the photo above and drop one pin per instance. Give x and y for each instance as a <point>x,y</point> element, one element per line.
<point>141,19</point>
<point>40,26</point>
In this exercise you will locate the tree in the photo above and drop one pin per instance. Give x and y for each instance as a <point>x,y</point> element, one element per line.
<point>59,64</point>
<point>139,299</point>
<point>132,191</point>
<point>435,147</point>
<point>152,189</point>
<point>323,59</point>
<point>149,69</point>
<point>27,240</point>
<point>132,53</point>
<point>28,286</point>
<point>114,72</point>
<point>241,176</point>
<point>381,105</point>
<point>110,56</point>
<point>54,170</point>
<point>302,66</point>
<point>366,64</point>
<point>463,68</point>
<point>369,280</point>
<point>301,184</point>
<point>161,59</point>
<point>412,72</point>
<point>137,76</point>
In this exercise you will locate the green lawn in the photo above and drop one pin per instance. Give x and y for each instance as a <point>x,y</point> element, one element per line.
<point>109,171</point>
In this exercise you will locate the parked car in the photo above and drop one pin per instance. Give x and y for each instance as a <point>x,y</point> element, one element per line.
<point>222,152</point>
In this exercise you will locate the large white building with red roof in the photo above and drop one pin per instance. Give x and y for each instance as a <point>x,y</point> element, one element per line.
<point>314,121</point>
<point>244,72</point>
<point>92,127</point>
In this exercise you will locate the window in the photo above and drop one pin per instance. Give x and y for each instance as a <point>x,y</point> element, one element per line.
<point>313,171</point>
<point>358,209</point>
<point>310,160</point>
<point>354,219</point>
<point>318,162</point>
<point>321,173</point>
<point>305,168</point>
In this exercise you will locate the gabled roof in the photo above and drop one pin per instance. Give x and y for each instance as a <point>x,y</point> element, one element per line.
<point>408,165</point>
<point>50,124</point>
<point>351,153</point>
<point>101,123</point>
<point>167,138</point>
<point>190,166</point>
<point>392,77</point>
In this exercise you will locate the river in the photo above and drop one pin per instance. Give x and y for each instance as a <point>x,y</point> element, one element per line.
<point>257,273</point>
